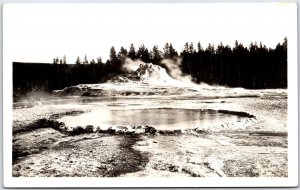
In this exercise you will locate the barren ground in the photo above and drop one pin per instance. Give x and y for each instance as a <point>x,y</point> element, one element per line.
<point>42,147</point>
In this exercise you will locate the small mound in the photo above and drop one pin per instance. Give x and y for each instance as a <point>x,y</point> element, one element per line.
<point>71,91</point>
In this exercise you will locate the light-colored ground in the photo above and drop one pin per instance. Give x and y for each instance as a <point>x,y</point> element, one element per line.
<point>255,150</point>
<point>259,150</point>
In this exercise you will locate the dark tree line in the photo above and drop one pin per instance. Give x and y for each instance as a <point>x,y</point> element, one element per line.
<point>60,61</point>
<point>28,77</point>
<point>252,67</point>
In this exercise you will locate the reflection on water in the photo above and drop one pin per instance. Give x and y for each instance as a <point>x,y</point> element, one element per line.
<point>160,118</point>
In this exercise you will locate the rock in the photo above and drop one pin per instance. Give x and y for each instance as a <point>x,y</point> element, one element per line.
<point>137,127</point>
<point>94,93</point>
<point>124,128</point>
<point>77,130</point>
<point>120,132</point>
<point>18,167</point>
<point>150,130</point>
<point>201,131</point>
<point>89,129</point>
<point>72,90</point>
<point>170,132</point>
<point>110,130</point>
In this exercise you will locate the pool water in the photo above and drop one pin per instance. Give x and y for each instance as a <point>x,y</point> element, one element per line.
<point>159,118</point>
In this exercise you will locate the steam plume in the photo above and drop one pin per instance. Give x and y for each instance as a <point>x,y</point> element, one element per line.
<point>173,66</point>
<point>130,65</point>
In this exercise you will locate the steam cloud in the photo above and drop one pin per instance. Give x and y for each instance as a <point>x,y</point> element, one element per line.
<point>130,65</point>
<point>173,66</point>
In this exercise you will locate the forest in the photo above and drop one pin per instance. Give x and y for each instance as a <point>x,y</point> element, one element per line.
<point>253,67</point>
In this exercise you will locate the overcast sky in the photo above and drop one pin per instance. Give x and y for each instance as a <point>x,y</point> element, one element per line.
<point>39,32</point>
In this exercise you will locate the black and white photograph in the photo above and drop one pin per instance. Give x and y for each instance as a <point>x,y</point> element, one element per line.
<point>169,91</point>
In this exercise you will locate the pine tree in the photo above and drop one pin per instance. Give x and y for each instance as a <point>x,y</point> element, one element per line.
<point>64,59</point>
<point>191,48</point>
<point>99,60</point>
<point>57,60</point>
<point>132,53</point>
<point>92,62</point>
<point>143,54</point>
<point>166,51</point>
<point>78,61</point>
<point>199,47</point>
<point>172,51</point>
<point>156,55</point>
<point>122,55</point>
<point>113,56</point>
<point>85,61</point>
<point>114,62</point>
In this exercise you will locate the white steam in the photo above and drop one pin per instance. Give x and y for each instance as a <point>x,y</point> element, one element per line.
<point>147,72</point>
<point>130,65</point>
<point>175,71</point>
<point>173,66</point>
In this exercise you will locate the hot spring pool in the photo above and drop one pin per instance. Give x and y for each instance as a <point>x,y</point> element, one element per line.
<point>159,118</point>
